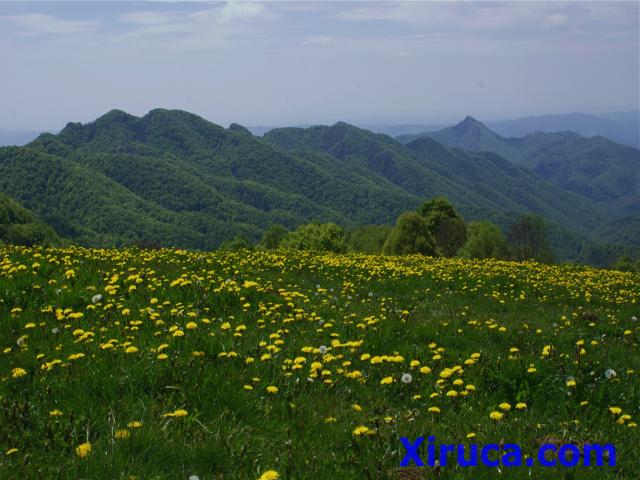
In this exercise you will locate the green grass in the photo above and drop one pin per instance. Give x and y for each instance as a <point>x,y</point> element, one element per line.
<point>413,307</point>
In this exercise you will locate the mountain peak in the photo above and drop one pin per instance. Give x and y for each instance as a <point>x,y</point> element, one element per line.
<point>469,123</point>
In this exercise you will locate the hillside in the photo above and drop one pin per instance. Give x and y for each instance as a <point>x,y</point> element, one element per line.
<point>173,178</point>
<point>620,127</point>
<point>595,167</point>
<point>19,226</point>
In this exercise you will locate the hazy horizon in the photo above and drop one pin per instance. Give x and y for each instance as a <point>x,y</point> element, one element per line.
<point>301,63</point>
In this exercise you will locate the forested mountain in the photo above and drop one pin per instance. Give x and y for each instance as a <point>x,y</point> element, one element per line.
<point>19,226</point>
<point>620,127</point>
<point>173,178</point>
<point>597,168</point>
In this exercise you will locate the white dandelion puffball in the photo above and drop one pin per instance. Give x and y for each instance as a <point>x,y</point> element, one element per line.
<point>406,378</point>
<point>610,373</point>
<point>634,319</point>
<point>322,349</point>
<point>96,298</point>
<point>55,330</point>
<point>194,477</point>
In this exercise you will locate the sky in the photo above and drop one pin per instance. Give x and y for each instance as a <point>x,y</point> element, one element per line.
<point>299,63</point>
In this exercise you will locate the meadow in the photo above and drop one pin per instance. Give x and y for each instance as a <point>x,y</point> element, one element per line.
<point>163,364</point>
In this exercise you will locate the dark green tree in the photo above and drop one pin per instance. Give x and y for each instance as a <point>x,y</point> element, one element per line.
<point>485,240</point>
<point>273,236</point>
<point>368,238</point>
<point>527,239</point>
<point>626,264</point>
<point>410,235</point>
<point>239,242</point>
<point>327,237</point>
<point>445,224</point>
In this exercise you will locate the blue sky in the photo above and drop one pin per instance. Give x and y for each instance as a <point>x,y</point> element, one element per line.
<point>278,63</point>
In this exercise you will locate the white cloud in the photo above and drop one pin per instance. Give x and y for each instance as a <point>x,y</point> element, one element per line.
<point>491,15</point>
<point>40,23</point>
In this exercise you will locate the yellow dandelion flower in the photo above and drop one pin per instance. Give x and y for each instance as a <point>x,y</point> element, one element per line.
<point>269,475</point>
<point>18,372</point>
<point>83,449</point>
<point>362,430</point>
<point>496,415</point>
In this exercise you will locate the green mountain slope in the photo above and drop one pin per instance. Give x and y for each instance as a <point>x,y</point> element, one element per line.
<point>173,178</point>
<point>595,167</point>
<point>20,227</point>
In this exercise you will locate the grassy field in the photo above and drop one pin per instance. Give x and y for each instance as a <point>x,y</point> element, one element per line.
<point>119,364</point>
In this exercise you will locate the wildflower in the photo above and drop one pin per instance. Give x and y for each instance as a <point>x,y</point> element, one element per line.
<point>272,389</point>
<point>406,378</point>
<point>18,372</point>
<point>615,410</point>
<point>433,410</point>
<point>122,434</point>
<point>521,406</point>
<point>83,449</point>
<point>571,382</point>
<point>504,406</point>
<point>177,413</point>
<point>55,413</point>
<point>191,326</point>
<point>269,475</point>
<point>11,451</point>
<point>496,415</point>
<point>386,381</point>
<point>362,430</point>
<point>131,349</point>
<point>134,424</point>
<point>610,373</point>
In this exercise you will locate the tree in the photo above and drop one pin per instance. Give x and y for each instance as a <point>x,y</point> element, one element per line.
<point>369,238</point>
<point>410,235</point>
<point>626,264</point>
<point>273,236</point>
<point>316,237</point>
<point>239,242</point>
<point>527,239</point>
<point>445,224</point>
<point>485,240</point>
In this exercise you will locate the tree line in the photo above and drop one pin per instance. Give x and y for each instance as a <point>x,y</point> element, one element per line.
<point>434,229</point>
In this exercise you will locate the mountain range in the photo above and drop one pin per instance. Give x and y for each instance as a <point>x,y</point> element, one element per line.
<point>173,178</point>
<point>595,167</point>
<point>620,127</point>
